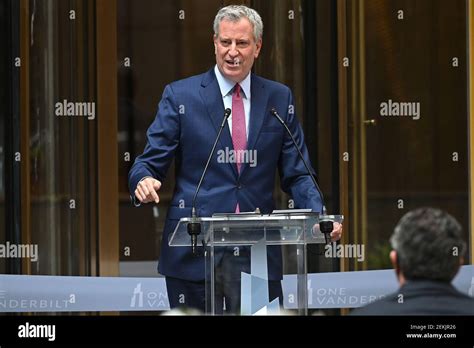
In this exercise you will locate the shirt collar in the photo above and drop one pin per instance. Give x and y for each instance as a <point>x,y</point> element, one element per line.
<point>226,85</point>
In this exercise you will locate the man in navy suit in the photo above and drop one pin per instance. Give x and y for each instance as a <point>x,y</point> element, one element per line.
<point>427,252</point>
<point>186,125</point>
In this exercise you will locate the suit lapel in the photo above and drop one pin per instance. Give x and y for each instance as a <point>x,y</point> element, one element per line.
<point>212,98</point>
<point>258,104</point>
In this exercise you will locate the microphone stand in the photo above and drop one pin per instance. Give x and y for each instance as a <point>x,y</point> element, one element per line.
<point>324,226</point>
<point>194,227</point>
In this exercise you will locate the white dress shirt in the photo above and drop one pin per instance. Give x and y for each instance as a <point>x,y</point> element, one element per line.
<point>226,86</point>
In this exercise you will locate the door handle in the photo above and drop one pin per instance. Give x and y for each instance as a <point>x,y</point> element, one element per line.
<point>371,122</point>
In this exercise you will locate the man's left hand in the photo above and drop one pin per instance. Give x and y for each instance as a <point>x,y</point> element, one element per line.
<point>336,232</point>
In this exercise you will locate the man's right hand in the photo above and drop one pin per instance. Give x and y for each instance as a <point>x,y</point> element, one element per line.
<point>146,190</point>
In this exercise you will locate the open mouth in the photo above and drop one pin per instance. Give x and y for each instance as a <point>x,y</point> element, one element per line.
<point>233,62</point>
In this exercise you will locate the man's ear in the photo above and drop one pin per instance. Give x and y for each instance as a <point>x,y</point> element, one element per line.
<point>259,47</point>
<point>394,259</point>
<point>396,265</point>
<point>214,39</point>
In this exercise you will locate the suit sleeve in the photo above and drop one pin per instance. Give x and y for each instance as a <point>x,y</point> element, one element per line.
<point>294,177</point>
<point>162,141</point>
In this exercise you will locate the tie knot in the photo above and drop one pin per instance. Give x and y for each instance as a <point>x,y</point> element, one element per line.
<point>237,90</point>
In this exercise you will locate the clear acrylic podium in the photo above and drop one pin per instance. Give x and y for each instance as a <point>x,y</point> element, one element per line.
<point>288,232</point>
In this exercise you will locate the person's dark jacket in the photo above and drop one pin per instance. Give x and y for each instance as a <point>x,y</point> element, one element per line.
<point>421,297</point>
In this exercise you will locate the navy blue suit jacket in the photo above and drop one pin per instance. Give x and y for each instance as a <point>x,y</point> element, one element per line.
<point>186,125</point>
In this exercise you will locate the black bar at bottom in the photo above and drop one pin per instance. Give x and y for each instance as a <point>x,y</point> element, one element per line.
<point>286,330</point>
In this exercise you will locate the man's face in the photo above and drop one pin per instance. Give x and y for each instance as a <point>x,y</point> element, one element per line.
<point>236,49</point>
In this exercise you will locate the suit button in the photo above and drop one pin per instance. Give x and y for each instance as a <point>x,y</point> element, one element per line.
<point>239,185</point>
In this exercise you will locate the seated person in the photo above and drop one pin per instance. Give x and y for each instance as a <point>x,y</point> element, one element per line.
<point>427,253</point>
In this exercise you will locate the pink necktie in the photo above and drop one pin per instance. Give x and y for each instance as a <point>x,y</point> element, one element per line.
<point>239,132</point>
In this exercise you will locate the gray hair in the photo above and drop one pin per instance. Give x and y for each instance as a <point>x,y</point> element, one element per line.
<point>429,245</point>
<point>234,13</point>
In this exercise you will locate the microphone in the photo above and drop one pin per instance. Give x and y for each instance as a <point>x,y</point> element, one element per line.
<point>194,227</point>
<point>324,225</point>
